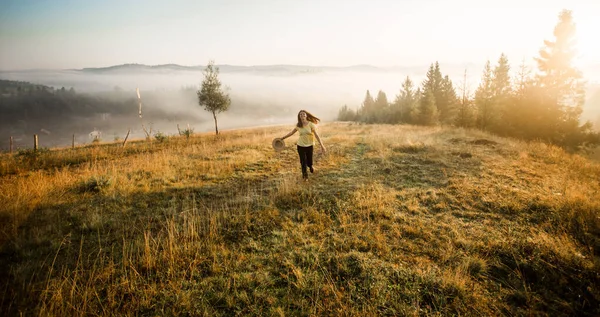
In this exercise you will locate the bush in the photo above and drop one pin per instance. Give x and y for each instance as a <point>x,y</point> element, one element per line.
<point>187,132</point>
<point>161,137</point>
<point>31,154</point>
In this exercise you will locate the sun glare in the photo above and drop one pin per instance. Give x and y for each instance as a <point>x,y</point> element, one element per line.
<point>588,44</point>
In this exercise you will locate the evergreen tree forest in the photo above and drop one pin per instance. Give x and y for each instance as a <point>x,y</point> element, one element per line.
<point>542,105</point>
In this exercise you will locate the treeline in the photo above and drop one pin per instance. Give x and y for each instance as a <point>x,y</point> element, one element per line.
<point>24,105</point>
<point>58,113</point>
<point>22,101</point>
<point>545,106</point>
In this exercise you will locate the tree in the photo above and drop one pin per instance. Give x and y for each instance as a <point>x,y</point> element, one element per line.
<point>522,80</point>
<point>210,95</point>
<point>501,93</point>
<point>484,99</point>
<point>365,112</point>
<point>415,113</point>
<point>562,83</point>
<point>465,112</point>
<point>437,79</point>
<point>520,111</point>
<point>446,101</point>
<point>346,114</point>
<point>405,102</point>
<point>433,79</point>
<point>444,95</point>
<point>381,107</point>
<point>428,114</point>
<point>501,78</point>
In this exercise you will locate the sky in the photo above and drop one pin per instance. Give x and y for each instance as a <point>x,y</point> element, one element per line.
<point>70,34</point>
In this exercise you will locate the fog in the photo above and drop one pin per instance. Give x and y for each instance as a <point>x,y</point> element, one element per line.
<point>323,92</point>
<point>259,98</point>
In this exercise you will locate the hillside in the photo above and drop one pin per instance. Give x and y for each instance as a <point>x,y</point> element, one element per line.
<point>397,220</point>
<point>266,69</point>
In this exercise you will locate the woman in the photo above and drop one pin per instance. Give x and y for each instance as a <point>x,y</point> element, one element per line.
<point>308,132</point>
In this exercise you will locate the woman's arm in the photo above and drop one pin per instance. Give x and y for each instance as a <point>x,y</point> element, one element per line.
<point>319,139</point>
<point>289,134</point>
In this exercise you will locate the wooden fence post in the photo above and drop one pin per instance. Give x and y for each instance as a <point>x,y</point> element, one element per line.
<point>73,143</point>
<point>35,142</point>
<point>125,142</point>
<point>11,144</point>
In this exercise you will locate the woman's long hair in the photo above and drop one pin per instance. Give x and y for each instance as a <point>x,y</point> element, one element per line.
<point>309,117</point>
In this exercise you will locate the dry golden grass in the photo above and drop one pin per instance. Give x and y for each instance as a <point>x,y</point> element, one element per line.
<point>397,220</point>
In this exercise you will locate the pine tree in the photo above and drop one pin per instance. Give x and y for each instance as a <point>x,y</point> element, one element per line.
<point>428,113</point>
<point>484,99</point>
<point>430,87</point>
<point>381,108</point>
<point>501,82</point>
<point>465,112</point>
<point>415,113</point>
<point>405,102</point>
<point>562,83</point>
<point>520,112</point>
<point>446,101</point>
<point>444,95</point>
<point>437,79</point>
<point>346,114</point>
<point>429,82</point>
<point>366,109</point>
<point>501,94</point>
<point>522,80</point>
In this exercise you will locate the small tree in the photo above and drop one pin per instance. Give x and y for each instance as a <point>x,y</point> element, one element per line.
<point>210,95</point>
<point>501,95</point>
<point>447,101</point>
<point>381,108</point>
<point>484,99</point>
<point>346,114</point>
<point>465,114</point>
<point>365,112</point>
<point>405,103</point>
<point>428,114</point>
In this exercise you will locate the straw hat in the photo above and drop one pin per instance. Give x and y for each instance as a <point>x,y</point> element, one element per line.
<point>278,144</point>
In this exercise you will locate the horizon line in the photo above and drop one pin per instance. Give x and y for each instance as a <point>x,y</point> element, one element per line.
<point>237,65</point>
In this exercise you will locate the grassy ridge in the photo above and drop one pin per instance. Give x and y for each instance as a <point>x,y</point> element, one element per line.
<point>397,220</point>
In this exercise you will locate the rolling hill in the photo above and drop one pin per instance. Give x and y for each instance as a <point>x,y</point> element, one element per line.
<point>397,220</point>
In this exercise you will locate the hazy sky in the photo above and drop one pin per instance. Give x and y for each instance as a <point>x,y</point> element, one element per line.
<point>85,33</point>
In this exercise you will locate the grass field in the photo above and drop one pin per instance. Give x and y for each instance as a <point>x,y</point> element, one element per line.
<point>396,221</point>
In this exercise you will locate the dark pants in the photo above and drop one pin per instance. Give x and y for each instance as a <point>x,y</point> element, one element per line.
<point>306,158</point>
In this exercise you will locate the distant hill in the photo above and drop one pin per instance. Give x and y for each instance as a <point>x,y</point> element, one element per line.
<point>11,88</point>
<point>224,68</point>
<point>126,68</point>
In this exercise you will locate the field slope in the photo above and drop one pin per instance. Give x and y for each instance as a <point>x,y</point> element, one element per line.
<point>396,221</point>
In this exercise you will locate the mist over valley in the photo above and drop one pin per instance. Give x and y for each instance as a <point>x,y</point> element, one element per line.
<point>107,100</point>
<point>104,99</point>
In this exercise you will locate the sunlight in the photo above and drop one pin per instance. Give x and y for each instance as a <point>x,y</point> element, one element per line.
<point>588,44</point>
